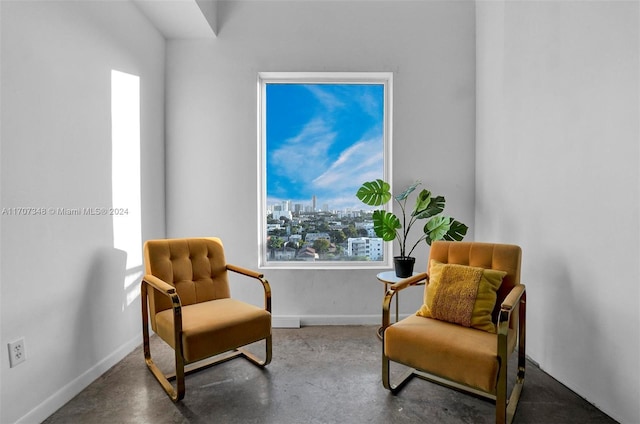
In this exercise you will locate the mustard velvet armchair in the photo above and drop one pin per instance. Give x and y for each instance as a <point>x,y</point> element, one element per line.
<point>185,294</point>
<point>457,356</point>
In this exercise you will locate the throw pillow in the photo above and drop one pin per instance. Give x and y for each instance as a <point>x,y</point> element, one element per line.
<point>461,294</point>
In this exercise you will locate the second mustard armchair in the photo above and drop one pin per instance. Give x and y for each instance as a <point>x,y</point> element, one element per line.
<point>186,298</point>
<point>471,321</point>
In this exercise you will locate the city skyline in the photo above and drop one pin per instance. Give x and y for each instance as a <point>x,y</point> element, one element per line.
<point>309,205</point>
<point>323,140</point>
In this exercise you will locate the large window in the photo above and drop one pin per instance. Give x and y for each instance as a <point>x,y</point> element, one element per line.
<point>321,135</point>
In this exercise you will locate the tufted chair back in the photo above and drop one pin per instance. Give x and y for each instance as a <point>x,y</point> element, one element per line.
<point>195,267</point>
<point>501,257</point>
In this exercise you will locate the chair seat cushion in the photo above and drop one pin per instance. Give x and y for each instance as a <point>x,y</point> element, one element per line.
<point>462,354</point>
<point>215,326</point>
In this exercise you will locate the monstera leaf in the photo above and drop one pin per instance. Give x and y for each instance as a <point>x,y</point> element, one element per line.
<point>385,224</point>
<point>457,231</point>
<point>400,197</point>
<point>427,206</point>
<point>374,193</point>
<point>436,228</point>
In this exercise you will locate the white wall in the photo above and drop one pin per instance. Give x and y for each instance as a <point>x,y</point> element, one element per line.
<point>557,172</point>
<point>212,135</point>
<point>62,280</point>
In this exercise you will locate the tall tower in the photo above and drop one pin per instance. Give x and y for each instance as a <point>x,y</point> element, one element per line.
<point>313,203</point>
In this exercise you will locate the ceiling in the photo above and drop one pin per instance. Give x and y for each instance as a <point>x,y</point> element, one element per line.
<point>180,19</point>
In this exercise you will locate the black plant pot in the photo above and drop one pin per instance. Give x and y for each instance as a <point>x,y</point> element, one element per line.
<point>404,266</point>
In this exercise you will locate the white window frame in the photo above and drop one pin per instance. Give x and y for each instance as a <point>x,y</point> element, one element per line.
<point>265,78</point>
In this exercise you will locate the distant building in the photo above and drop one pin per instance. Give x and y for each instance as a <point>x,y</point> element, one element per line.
<point>348,214</point>
<point>311,237</point>
<point>307,254</point>
<point>272,227</point>
<point>280,214</point>
<point>365,246</point>
<point>367,225</point>
<point>284,254</point>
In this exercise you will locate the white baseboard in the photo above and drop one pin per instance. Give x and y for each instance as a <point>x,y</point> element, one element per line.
<point>340,319</point>
<point>69,391</point>
<point>289,321</point>
<point>285,322</point>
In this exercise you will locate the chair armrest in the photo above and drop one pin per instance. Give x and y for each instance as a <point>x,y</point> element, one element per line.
<point>258,276</point>
<point>414,280</point>
<point>513,297</point>
<point>163,287</point>
<point>244,271</point>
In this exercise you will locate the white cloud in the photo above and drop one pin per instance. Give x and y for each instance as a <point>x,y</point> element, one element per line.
<point>362,159</point>
<point>360,162</point>
<point>329,101</point>
<point>303,156</point>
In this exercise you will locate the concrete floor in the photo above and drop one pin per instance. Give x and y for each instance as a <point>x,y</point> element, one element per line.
<point>318,375</point>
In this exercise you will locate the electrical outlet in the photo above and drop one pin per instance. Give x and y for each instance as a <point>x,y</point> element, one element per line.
<point>16,352</point>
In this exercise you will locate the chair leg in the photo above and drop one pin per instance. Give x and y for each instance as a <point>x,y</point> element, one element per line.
<point>254,359</point>
<point>177,393</point>
<point>386,376</point>
<point>522,360</point>
<point>181,370</point>
<point>227,356</point>
<point>515,397</point>
<point>506,409</point>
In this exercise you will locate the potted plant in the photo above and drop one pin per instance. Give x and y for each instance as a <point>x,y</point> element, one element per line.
<point>389,227</point>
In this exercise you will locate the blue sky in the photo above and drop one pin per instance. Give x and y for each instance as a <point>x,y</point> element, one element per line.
<point>323,140</point>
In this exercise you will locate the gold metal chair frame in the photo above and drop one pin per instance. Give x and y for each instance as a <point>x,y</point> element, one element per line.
<point>182,367</point>
<point>505,408</point>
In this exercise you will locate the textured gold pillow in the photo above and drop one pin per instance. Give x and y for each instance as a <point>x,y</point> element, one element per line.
<point>463,295</point>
